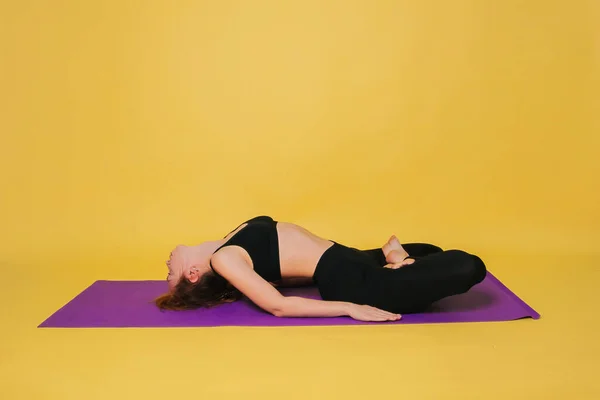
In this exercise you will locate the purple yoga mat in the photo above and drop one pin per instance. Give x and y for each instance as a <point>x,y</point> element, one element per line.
<point>115,304</point>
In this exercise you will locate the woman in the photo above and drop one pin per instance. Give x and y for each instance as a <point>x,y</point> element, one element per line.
<point>370,285</point>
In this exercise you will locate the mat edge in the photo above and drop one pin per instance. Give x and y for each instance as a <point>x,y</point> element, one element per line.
<point>44,323</point>
<point>532,313</point>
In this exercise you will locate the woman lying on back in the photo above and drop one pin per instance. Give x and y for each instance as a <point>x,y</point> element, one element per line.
<point>367,285</point>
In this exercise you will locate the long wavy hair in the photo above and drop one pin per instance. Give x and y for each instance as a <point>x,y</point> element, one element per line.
<point>209,291</point>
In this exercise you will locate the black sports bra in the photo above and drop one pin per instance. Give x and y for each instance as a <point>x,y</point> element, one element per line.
<point>259,238</point>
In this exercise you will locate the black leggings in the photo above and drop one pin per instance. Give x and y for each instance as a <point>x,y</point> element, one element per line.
<point>348,274</point>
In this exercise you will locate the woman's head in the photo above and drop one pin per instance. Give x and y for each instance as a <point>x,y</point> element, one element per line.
<point>192,283</point>
<point>186,263</point>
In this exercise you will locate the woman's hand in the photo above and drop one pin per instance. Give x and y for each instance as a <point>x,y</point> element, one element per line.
<point>368,313</point>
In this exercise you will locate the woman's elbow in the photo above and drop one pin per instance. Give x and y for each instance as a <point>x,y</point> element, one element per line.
<point>281,309</point>
<point>279,313</point>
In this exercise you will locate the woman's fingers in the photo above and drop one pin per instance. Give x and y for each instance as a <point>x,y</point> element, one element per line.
<point>384,314</point>
<point>368,313</point>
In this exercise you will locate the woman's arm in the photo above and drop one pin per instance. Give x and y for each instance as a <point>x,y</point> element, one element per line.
<point>294,282</point>
<point>231,263</point>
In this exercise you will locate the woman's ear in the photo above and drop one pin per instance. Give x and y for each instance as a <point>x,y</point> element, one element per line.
<point>194,275</point>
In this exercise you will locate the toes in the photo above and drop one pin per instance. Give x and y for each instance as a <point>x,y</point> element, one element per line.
<point>408,261</point>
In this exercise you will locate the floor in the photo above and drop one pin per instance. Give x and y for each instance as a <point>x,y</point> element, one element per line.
<point>551,358</point>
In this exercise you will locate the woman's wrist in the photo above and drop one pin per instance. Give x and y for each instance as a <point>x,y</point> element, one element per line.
<point>345,308</point>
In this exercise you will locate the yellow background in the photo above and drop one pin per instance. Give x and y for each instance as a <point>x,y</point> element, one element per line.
<point>127,127</point>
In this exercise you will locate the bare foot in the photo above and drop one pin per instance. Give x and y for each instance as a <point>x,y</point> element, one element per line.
<point>407,261</point>
<point>394,252</point>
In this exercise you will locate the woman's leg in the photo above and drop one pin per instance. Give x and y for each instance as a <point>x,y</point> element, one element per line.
<point>413,288</point>
<point>413,250</point>
<point>421,249</point>
<point>377,255</point>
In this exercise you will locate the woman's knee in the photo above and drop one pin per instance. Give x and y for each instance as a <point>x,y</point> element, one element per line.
<point>470,267</point>
<point>479,269</point>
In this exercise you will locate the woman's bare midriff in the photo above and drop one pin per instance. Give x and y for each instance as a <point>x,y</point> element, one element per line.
<point>299,251</point>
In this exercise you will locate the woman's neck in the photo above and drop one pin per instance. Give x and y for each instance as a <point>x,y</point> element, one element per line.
<point>204,250</point>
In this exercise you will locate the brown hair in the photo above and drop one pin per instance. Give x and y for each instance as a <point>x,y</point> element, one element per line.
<point>210,290</point>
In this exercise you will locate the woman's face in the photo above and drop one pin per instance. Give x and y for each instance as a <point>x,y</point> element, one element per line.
<point>188,262</point>
<point>179,265</point>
